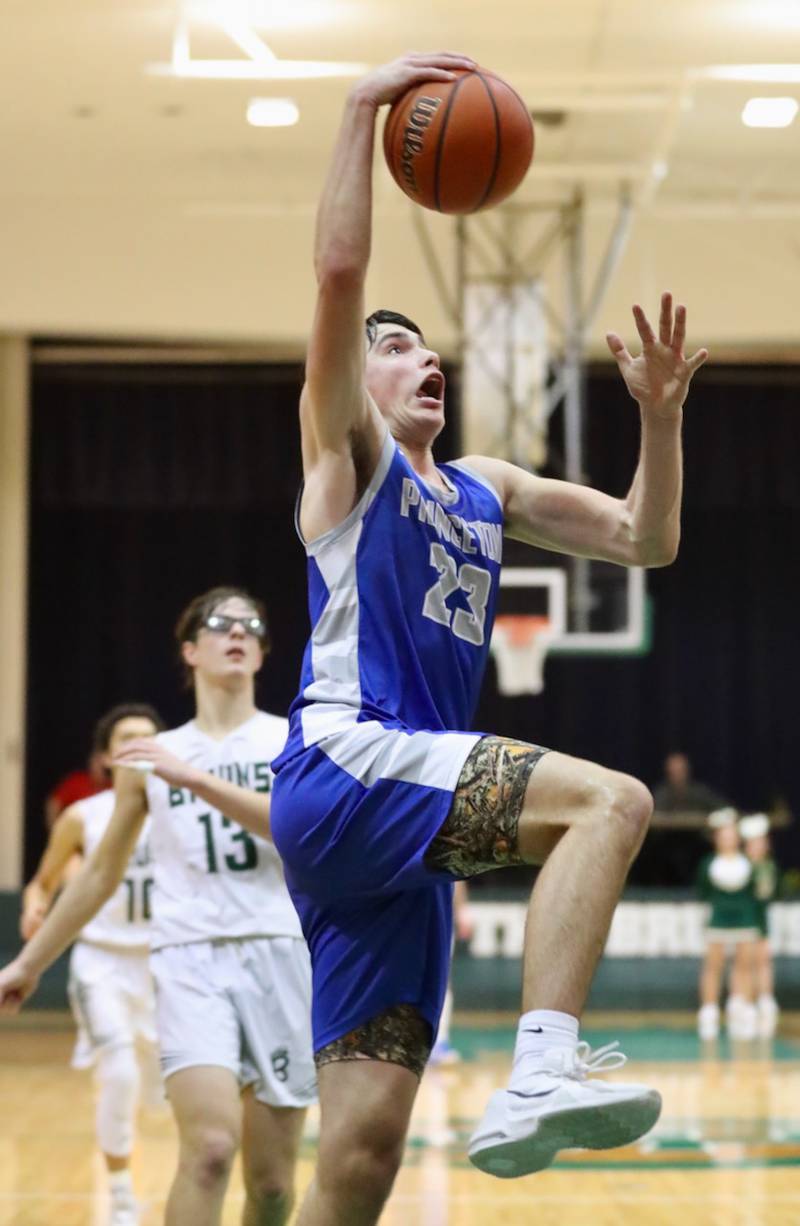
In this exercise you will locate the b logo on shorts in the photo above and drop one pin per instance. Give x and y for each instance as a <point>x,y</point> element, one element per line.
<point>280,1063</point>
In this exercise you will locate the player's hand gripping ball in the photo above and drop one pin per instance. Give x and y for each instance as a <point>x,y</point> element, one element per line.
<point>459,146</point>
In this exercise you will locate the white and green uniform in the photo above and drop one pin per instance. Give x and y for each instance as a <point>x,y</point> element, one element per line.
<point>110,986</point>
<point>232,972</point>
<point>726,882</point>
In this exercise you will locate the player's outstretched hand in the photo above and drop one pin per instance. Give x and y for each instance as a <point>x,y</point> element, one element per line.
<point>147,754</point>
<point>17,983</point>
<point>392,80</point>
<point>658,379</point>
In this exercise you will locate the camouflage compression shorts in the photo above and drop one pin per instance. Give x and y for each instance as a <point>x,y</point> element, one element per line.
<point>480,831</point>
<point>399,1035</point>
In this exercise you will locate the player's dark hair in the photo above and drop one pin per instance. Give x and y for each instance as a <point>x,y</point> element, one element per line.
<point>104,728</point>
<point>191,620</point>
<point>389,317</point>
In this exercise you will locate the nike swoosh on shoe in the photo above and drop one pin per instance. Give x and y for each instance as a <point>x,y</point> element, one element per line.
<point>538,1094</point>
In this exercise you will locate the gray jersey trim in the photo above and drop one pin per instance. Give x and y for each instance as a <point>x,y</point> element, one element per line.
<point>484,481</point>
<point>358,512</point>
<point>336,681</point>
<point>370,752</point>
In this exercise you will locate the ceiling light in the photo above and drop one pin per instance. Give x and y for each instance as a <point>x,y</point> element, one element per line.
<point>270,15</point>
<point>769,112</point>
<point>771,14</point>
<point>777,73</point>
<point>258,62</point>
<point>251,70</point>
<point>272,112</point>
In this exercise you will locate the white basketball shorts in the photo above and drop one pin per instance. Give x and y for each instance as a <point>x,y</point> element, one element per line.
<point>112,998</point>
<point>243,1004</point>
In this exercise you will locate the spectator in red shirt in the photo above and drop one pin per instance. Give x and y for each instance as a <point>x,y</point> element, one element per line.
<point>77,785</point>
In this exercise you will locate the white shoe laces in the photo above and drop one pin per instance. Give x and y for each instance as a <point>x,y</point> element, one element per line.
<point>581,1062</point>
<point>603,1060</point>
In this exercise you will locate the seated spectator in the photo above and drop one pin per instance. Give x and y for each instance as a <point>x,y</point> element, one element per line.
<point>678,792</point>
<point>669,857</point>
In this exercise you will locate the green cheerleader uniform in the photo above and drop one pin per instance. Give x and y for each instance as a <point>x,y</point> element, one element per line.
<point>727,883</point>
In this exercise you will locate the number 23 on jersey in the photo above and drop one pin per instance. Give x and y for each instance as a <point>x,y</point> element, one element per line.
<point>473,581</point>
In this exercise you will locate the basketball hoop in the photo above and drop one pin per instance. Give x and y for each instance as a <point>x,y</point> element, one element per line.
<point>519,645</point>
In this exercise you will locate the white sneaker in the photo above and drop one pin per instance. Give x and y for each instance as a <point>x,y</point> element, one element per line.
<point>708,1022</point>
<point>743,1023</point>
<point>521,1132</point>
<point>124,1208</point>
<point>735,1006</point>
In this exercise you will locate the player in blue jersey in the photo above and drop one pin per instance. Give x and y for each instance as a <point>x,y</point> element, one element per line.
<point>381,799</point>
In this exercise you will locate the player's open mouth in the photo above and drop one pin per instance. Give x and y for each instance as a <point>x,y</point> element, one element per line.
<point>235,653</point>
<point>432,388</point>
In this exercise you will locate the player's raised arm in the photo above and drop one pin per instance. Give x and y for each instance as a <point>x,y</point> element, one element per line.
<point>66,839</point>
<point>83,897</point>
<point>642,529</point>
<point>335,412</point>
<point>248,808</point>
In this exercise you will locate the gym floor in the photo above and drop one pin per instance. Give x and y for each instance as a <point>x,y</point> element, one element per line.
<point>725,1152</point>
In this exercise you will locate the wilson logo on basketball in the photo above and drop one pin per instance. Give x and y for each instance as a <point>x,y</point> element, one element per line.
<point>413,137</point>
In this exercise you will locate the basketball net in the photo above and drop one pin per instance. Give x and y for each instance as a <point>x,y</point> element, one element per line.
<point>519,645</point>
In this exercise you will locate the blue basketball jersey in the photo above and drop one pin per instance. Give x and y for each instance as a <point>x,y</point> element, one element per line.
<point>402,598</point>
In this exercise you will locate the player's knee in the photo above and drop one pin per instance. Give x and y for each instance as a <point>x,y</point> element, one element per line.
<point>210,1155</point>
<point>363,1174</point>
<point>119,1070</point>
<point>366,1179</point>
<point>270,1192</point>
<point>631,807</point>
<point>270,1200</point>
<point>118,1075</point>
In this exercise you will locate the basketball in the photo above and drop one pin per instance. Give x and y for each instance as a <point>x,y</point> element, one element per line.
<point>459,146</point>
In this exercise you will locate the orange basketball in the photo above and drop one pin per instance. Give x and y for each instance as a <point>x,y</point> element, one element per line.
<point>459,146</point>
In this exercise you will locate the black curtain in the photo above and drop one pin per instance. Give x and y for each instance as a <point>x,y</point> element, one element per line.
<point>149,485</point>
<point>722,678</point>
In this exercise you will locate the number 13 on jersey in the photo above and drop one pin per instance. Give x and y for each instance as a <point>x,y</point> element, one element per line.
<point>216,830</point>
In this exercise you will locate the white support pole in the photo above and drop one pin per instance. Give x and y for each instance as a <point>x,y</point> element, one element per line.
<point>574,423</point>
<point>14,398</point>
<point>573,346</point>
<point>610,262</point>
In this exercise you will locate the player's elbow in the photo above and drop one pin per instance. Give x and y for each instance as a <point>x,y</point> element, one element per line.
<point>659,552</point>
<point>653,549</point>
<point>648,546</point>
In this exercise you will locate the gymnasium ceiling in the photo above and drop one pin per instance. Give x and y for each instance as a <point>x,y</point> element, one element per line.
<point>111,158</point>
